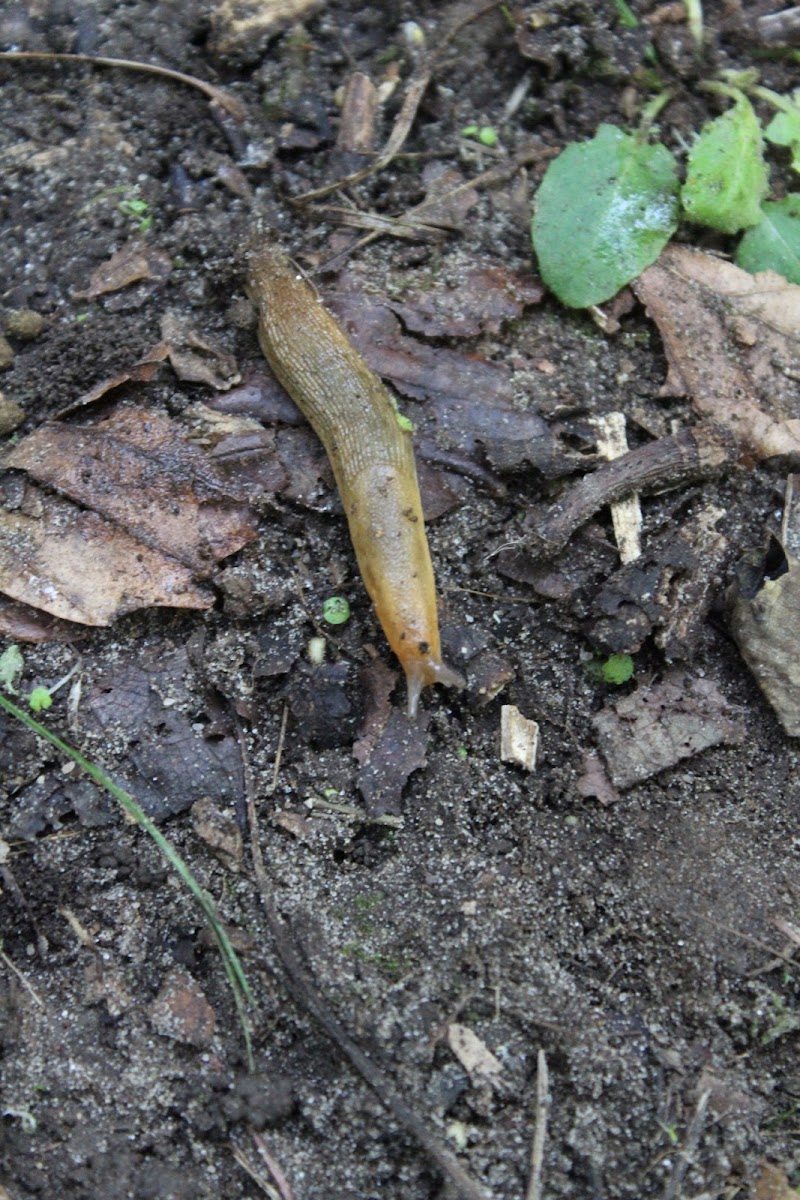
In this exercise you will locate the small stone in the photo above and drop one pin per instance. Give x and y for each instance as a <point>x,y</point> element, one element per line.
<point>11,415</point>
<point>181,1011</point>
<point>24,323</point>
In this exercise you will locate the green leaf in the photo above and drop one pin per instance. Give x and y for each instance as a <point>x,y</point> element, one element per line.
<point>784,130</point>
<point>604,211</point>
<point>774,243</point>
<point>618,668</point>
<point>11,664</point>
<point>39,699</point>
<point>336,610</point>
<point>726,175</point>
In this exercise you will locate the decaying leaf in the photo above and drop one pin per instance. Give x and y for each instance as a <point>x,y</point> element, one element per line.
<point>481,298</point>
<point>78,566</point>
<point>397,751</point>
<point>657,726</point>
<point>195,359</point>
<point>137,469</point>
<point>732,341</point>
<point>170,761</point>
<point>765,615</point>
<point>134,263</point>
<point>141,372</point>
<point>773,1183</point>
<point>469,399</point>
<point>669,590</point>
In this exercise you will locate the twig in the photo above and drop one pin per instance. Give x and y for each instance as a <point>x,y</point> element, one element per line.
<point>540,1128</point>
<point>281,1182</point>
<point>404,121</point>
<point>303,991</point>
<point>25,982</point>
<point>683,1158</point>
<point>229,103</point>
<point>689,455</point>
<point>407,223</point>
<point>244,1162</point>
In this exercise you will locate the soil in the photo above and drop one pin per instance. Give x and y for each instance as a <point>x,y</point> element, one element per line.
<point>633,942</point>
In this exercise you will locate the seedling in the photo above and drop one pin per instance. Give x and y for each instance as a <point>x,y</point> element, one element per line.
<point>39,699</point>
<point>481,133</point>
<point>11,665</point>
<point>137,208</point>
<point>607,207</point>
<point>336,610</point>
<point>616,669</point>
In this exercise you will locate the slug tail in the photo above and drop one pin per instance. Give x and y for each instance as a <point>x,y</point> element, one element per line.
<point>420,674</point>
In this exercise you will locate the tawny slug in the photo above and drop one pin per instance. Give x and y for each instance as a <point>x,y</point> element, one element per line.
<point>370,452</point>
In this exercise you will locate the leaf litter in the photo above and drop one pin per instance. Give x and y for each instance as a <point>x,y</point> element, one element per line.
<point>146,517</point>
<point>732,342</point>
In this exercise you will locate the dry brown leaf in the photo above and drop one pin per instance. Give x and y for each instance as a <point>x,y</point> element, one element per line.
<point>77,566</point>
<point>732,342</point>
<point>141,372</point>
<point>21,623</point>
<point>658,725</point>
<point>594,782</point>
<point>134,263</point>
<point>479,300</point>
<point>196,359</point>
<point>137,469</point>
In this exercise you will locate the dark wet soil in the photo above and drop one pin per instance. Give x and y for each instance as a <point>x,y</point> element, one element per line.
<point>634,943</point>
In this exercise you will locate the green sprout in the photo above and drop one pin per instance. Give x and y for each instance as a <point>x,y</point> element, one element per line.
<point>336,610</point>
<point>627,18</point>
<point>483,134</point>
<point>137,208</point>
<point>39,699</point>
<point>11,665</point>
<point>616,669</point>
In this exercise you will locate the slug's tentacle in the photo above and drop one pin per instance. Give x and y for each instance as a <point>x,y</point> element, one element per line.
<point>371,455</point>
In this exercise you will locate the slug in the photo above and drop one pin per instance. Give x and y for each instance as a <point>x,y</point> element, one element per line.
<point>371,454</point>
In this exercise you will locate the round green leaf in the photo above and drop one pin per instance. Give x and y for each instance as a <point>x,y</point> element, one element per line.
<point>726,175</point>
<point>336,610</point>
<point>604,211</point>
<point>774,243</point>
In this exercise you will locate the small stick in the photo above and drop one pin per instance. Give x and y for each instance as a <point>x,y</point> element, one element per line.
<point>683,1158</point>
<point>690,455</point>
<point>244,1162</point>
<point>23,980</point>
<point>281,1182</point>
<point>229,103</point>
<point>540,1128</point>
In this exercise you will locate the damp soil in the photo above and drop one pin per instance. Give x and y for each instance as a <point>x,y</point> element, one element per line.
<point>633,942</point>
